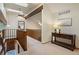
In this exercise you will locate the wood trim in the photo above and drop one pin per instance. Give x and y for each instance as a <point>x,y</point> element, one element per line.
<point>37,10</point>
<point>34,33</point>
<point>77,49</point>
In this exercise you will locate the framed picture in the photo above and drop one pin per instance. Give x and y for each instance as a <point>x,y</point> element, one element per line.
<point>66,21</point>
<point>21,24</point>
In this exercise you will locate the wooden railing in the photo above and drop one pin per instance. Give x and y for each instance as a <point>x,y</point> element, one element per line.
<point>9,33</point>
<point>12,36</point>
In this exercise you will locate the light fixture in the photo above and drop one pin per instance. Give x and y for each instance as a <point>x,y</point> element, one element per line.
<point>40,23</point>
<point>56,26</point>
<point>8,25</point>
<point>21,18</point>
<point>22,4</point>
<point>16,11</point>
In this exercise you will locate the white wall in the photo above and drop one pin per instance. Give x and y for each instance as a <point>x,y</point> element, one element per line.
<point>46,17</point>
<point>50,14</point>
<point>12,20</point>
<point>32,22</point>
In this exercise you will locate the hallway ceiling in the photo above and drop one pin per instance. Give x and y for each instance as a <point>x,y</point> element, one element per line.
<point>20,7</point>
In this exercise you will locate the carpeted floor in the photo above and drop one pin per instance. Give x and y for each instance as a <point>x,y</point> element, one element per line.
<point>37,48</point>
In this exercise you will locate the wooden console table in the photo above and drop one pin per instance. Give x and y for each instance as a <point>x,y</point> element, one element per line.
<point>70,46</point>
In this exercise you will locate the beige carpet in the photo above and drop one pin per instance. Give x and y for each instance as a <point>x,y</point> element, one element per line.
<point>37,48</point>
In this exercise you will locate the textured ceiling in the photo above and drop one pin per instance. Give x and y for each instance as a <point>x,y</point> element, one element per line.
<point>24,7</point>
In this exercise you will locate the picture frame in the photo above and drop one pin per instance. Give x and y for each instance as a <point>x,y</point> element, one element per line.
<point>21,25</point>
<point>66,21</point>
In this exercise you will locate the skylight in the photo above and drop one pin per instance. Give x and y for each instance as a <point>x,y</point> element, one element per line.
<point>22,4</point>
